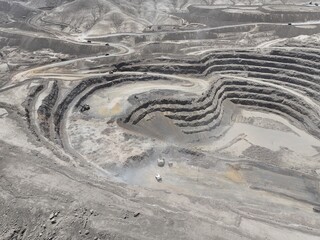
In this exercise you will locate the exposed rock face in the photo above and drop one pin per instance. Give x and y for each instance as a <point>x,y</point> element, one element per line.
<point>159,120</point>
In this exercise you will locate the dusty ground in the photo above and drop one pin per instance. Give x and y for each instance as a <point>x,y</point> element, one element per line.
<point>93,96</point>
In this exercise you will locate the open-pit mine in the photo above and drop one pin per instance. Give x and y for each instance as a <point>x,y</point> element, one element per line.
<point>159,119</point>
